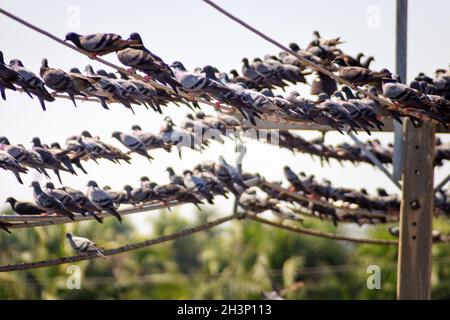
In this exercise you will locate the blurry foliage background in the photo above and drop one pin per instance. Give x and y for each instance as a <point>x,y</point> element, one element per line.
<point>238,260</point>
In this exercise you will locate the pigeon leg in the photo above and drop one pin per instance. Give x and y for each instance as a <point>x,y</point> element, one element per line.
<point>131,70</point>
<point>92,55</point>
<point>148,78</point>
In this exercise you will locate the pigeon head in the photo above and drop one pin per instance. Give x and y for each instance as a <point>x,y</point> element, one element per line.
<point>341,61</point>
<point>294,94</point>
<point>106,188</point>
<point>44,63</point>
<point>144,178</point>
<point>86,134</point>
<point>11,201</point>
<point>136,127</point>
<point>364,191</point>
<point>323,96</point>
<point>190,116</point>
<point>185,172</point>
<point>169,120</point>
<point>55,145</point>
<point>88,69</point>
<point>4,140</point>
<point>200,115</point>
<point>245,61</point>
<point>152,185</point>
<point>170,170</point>
<point>209,71</point>
<point>36,142</point>
<point>111,75</point>
<point>136,37</point>
<point>267,92</point>
<point>128,188</point>
<point>16,62</point>
<point>74,37</point>
<point>257,60</point>
<point>339,94</point>
<point>348,92</point>
<point>35,185</point>
<point>92,183</point>
<point>178,65</point>
<point>68,235</point>
<point>234,73</point>
<point>75,70</point>
<point>50,185</point>
<point>294,47</point>
<point>116,134</point>
<point>102,72</point>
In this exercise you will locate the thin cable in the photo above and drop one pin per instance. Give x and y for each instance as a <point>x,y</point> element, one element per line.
<point>321,234</point>
<point>108,252</point>
<point>21,221</point>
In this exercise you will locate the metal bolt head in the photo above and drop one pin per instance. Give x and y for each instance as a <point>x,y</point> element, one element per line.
<point>414,204</point>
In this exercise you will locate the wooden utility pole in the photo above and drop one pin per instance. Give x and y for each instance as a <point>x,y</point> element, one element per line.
<point>416,210</point>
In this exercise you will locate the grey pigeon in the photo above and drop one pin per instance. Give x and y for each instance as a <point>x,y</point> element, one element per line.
<point>132,143</point>
<point>34,84</point>
<point>59,81</point>
<point>197,184</point>
<point>7,162</point>
<point>99,43</point>
<point>101,199</point>
<point>49,203</point>
<point>83,245</point>
<point>83,202</point>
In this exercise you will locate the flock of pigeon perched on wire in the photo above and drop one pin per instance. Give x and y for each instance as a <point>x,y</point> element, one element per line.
<point>250,93</point>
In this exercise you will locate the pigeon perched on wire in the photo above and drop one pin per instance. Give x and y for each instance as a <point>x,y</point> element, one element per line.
<point>133,143</point>
<point>49,160</point>
<point>49,203</point>
<point>66,199</point>
<point>150,140</point>
<point>25,157</point>
<point>24,208</point>
<point>98,44</point>
<point>197,184</point>
<point>101,199</point>
<point>8,77</point>
<point>90,86</point>
<point>84,246</point>
<point>140,58</point>
<point>83,202</point>
<point>59,81</point>
<point>139,196</point>
<point>7,162</point>
<point>32,82</point>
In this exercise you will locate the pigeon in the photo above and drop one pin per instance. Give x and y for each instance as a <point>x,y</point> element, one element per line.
<point>8,77</point>
<point>197,184</point>
<point>49,203</point>
<point>294,180</point>
<point>90,86</point>
<point>249,83</point>
<point>171,191</point>
<point>132,143</point>
<point>34,84</point>
<point>67,201</point>
<point>139,195</point>
<point>49,160</point>
<point>24,157</point>
<point>142,59</point>
<point>360,76</point>
<point>175,179</point>
<point>108,85</point>
<point>118,197</point>
<point>150,140</point>
<point>83,202</point>
<point>7,162</point>
<point>84,246</point>
<point>101,199</point>
<point>59,81</point>
<point>196,82</point>
<point>99,44</point>
<point>24,208</point>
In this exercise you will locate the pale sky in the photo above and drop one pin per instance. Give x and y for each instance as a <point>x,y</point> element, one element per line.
<point>194,33</point>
